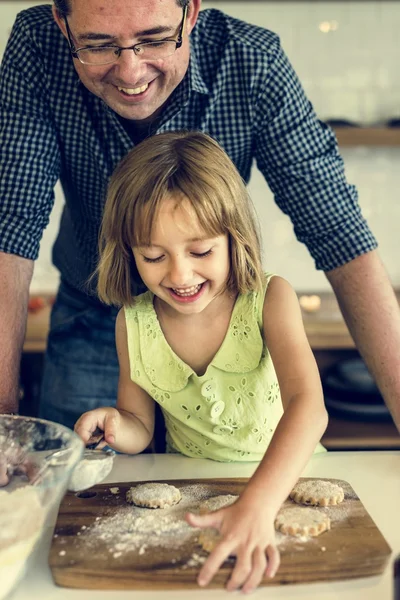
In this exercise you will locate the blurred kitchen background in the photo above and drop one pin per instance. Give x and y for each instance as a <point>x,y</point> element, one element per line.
<point>346,54</point>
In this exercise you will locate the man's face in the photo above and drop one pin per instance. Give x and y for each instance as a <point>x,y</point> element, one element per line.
<point>134,88</point>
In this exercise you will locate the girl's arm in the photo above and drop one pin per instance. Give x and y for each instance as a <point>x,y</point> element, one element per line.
<point>128,428</point>
<point>247,526</point>
<point>305,418</point>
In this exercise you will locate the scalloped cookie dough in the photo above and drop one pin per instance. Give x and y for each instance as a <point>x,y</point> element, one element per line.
<point>153,495</point>
<point>209,538</point>
<point>317,492</point>
<point>216,502</point>
<point>299,521</point>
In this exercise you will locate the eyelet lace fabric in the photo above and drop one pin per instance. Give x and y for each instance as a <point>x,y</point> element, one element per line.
<point>231,412</point>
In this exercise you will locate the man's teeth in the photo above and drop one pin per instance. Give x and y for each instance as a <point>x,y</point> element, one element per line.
<point>187,291</point>
<point>134,91</point>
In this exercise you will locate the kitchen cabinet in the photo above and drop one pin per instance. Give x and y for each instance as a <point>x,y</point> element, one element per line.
<point>367,136</point>
<point>331,341</point>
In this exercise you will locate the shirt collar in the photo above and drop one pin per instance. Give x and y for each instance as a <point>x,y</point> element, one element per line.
<point>196,80</point>
<point>192,82</point>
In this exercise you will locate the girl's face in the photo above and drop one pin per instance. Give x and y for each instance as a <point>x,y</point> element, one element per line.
<point>183,266</point>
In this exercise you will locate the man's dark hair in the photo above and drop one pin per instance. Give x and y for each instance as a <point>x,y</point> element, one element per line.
<point>64,9</point>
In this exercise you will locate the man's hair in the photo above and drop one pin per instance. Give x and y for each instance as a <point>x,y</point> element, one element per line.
<point>63,6</point>
<point>189,167</point>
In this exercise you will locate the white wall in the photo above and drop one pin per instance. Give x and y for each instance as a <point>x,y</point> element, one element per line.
<point>347,56</point>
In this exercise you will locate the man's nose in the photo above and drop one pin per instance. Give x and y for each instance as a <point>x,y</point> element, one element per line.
<point>129,66</point>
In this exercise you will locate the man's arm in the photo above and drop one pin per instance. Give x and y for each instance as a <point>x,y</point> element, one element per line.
<point>371,311</point>
<point>15,277</point>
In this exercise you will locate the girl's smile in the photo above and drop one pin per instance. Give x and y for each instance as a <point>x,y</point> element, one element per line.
<point>189,294</point>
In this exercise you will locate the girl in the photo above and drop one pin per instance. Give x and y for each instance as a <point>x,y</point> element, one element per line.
<point>218,344</point>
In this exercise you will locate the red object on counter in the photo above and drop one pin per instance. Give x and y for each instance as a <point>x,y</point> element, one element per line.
<point>36,303</point>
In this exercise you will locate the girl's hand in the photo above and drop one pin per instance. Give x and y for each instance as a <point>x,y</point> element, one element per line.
<point>105,420</point>
<point>248,536</point>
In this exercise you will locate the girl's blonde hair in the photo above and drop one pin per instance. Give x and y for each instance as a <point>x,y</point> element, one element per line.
<point>189,165</point>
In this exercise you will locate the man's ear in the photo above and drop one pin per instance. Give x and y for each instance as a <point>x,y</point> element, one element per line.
<point>59,20</point>
<point>193,13</point>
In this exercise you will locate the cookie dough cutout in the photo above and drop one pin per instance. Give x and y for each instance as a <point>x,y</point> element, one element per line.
<point>317,492</point>
<point>153,495</point>
<point>209,538</point>
<point>216,502</point>
<point>299,521</point>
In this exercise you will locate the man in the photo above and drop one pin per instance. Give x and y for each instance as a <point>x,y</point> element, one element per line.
<point>83,83</point>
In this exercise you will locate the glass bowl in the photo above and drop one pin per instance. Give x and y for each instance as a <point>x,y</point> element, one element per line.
<point>37,458</point>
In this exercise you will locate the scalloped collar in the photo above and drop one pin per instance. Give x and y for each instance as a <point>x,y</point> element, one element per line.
<point>240,351</point>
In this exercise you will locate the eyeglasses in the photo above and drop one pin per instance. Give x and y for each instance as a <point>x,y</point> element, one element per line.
<point>106,55</point>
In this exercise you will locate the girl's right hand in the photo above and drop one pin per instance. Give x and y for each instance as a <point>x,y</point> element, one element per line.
<point>105,419</point>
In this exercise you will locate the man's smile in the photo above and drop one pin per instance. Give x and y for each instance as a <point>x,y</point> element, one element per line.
<point>133,91</point>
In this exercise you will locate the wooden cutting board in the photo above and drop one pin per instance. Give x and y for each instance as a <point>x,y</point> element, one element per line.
<point>101,542</point>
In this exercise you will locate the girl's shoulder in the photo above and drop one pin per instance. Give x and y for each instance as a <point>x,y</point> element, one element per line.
<point>254,301</point>
<point>274,290</point>
<point>141,304</point>
<point>280,302</point>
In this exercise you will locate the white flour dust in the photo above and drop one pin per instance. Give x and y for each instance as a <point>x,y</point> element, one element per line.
<point>132,528</point>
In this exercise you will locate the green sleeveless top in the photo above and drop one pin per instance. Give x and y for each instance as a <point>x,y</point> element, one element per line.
<point>228,414</point>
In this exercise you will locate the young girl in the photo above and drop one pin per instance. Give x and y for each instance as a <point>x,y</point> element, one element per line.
<point>218,344</point>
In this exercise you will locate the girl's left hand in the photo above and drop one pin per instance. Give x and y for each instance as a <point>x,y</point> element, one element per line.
<point>246,535</point>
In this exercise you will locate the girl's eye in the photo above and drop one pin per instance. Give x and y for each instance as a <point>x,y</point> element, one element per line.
<point>153,260</point>
<point>201,254</point>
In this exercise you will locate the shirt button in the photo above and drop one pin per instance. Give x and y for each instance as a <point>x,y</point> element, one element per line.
<point>217,409</point>
<point>208,388</point>
<point>221,429</point>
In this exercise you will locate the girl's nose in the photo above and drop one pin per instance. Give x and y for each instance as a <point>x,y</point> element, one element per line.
<point>180,272</point>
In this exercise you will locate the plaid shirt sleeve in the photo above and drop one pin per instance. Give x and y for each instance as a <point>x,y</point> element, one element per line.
<point>299,158</point>
<point>29,153</point>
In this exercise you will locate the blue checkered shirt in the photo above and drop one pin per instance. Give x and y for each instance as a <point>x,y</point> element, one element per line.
<point>240,88</point>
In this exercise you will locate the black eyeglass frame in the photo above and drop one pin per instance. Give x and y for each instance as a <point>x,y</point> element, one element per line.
<point>118,49</point>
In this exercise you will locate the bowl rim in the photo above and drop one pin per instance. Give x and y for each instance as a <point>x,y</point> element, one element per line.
<point>68,435</point>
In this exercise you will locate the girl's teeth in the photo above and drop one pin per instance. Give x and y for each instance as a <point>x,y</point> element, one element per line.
<point>187,291</point>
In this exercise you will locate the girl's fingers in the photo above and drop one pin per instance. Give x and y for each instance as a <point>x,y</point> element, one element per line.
<point>242,570</point>
<point>110,428</point>
<point>82,428</point>
<point>88,424</point>
<point>220,552</point>
<point>273,560</point>
<point>251,567</point>
<point>259,563</point>
<point>212,519</point>
<point>218,556</point>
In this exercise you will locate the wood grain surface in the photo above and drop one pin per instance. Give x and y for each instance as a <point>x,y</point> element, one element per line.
<point>93,545</point>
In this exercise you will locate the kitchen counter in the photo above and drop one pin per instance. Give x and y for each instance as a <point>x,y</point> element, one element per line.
<point>374,476</point>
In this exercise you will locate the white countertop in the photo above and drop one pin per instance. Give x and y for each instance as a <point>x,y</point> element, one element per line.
<point>374,476</point>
